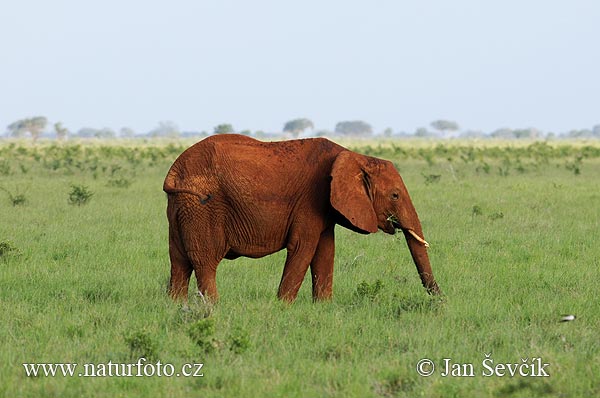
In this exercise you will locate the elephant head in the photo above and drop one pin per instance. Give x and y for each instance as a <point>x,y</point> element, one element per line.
<point>370,194</point>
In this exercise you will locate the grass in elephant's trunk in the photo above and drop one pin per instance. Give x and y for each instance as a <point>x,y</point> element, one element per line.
<point>396,224</point>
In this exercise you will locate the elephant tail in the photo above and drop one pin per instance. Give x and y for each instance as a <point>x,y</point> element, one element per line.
<point>170,188</point>
<point>170,181</point>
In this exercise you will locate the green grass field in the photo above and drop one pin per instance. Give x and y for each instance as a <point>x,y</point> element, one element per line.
<point>513,232</point>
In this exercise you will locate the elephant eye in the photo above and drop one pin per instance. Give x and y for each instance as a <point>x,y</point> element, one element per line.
<point>395,196</point>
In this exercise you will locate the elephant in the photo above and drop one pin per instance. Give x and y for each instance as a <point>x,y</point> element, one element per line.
<point>230,195</point>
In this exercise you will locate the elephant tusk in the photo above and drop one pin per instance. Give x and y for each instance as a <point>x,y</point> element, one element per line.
<point>417,237</point>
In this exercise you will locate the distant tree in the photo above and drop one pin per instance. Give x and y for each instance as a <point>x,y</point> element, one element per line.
<point>17,129</point>
<point>90,132</point>
<point>126,132</point>
<point>502,133</point>
<point>86,132</point>
<point>223,129</point>
<point>297,126</point>
<point>444,125</point>
<point>61,132</point>
<point>323,133</point>
<point>246,132</point>
<point>356,127</point>
<point>583,133</point>
<point>473,134</point>
<point>388,132</point>
<point>596,131</point>
<point>105,133</point>
<point>527,133</point>
<point>165,129</point>
<point>422,132</point>
<point>35,126</point>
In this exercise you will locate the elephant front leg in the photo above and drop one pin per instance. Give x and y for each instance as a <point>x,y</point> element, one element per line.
<point>296,264</point>
<point>321,267</point>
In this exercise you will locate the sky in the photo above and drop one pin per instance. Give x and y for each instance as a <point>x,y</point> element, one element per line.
<point>257,64</point>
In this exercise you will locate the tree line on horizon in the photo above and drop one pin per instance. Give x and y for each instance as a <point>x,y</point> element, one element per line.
<point>38,126</point>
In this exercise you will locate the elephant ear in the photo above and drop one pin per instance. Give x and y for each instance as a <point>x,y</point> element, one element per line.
<point>349,191</point>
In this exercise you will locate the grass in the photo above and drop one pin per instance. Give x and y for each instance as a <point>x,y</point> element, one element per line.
<point>513,249</point>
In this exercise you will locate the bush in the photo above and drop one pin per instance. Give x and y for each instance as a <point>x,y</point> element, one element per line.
<point>7,248</point>
<point>239,341</point>
<point>141,345</point>
<point>79,195</point>
<point>201,332</point>
<point>4,168</point>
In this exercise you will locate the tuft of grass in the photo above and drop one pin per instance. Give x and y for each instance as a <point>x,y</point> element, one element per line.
<point>119,182</point>
<point>419,304</point>
<point>393,384</point>
<point>101,294</point>
<point>575,164</point>
<point>16,199</point>
<point>496,215</point>
<point>483,167</point>
<point>431,178</point>
<point>197,308</point>
<point>369,290</point>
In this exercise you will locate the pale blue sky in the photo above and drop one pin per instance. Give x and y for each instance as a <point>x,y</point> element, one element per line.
<point>257,64</point>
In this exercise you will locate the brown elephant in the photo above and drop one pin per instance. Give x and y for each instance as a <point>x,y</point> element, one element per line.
<point>231,195</point>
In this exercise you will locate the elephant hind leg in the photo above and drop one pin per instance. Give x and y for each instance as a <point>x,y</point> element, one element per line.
<point>206,273</point>
<point>199,244</point>
<point>181,269</point>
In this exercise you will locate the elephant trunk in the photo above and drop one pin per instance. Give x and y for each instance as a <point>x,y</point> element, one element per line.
<point>418,250</point>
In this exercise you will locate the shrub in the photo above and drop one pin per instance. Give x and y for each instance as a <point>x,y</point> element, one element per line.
<point>239,341</point>
<point>141,345</point>
<point>7,248</point>
<point>201,332</point>
<point>79,195</point>
<point>4,168</point>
